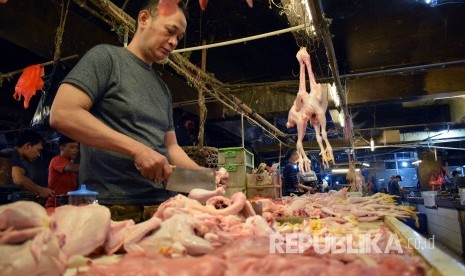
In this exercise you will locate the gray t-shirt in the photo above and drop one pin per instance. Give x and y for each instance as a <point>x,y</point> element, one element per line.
<point>132,99</point>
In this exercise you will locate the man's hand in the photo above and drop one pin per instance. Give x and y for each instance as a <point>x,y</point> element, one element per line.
<point>45,192</point>
<point>221,177</point>
<point>152,165</point>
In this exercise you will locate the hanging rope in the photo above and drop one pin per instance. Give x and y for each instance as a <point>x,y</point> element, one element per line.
<point>60,31</point>
<point>202,113</point>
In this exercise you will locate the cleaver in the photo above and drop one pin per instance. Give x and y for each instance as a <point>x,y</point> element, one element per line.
<point>183,180</point>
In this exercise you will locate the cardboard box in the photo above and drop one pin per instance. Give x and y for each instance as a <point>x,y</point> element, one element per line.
<point>270,191</point>
<point>259,179</point>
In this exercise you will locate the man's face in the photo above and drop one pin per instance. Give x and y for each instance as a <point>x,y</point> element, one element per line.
<point>295,157</point>
<point>161,34</point>
<point>32,152</point>
<point>70,150</point>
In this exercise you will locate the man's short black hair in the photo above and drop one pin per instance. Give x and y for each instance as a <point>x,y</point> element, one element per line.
<point>28,136</point>
<point>63,140</point>
<point>290,153</point>
<point>454,173</point>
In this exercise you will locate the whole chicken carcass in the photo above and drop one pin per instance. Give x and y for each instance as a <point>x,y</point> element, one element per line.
<point>310,107</point>
<point>23,214</point>
<point>316,112</point>
<point>297,114</point>
<point>85,227</point>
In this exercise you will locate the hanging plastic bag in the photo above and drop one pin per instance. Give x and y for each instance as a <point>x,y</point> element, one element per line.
<point>29,82</point>
<point>42,111</point>
<point>52,82</point>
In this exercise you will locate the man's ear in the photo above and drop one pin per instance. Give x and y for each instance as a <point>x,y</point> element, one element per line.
<point>143,17</point>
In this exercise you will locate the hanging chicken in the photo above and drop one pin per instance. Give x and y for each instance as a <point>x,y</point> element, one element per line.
<point>168,7</point>
<point>203,4</point>
<point>310,107</point>
<point>297,116</point>
<point>28,83</point>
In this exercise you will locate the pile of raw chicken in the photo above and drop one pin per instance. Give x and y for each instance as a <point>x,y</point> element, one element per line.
<point>195,236</point>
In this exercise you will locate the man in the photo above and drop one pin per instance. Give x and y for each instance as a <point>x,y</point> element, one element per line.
<point>62,171</point>
<point>119,109</point>
<point>291,182</point>
<point>308,180</point>
<point>395,189</point>
<point>391,179</point>
<point>455,177</point>
<point>27,150</point>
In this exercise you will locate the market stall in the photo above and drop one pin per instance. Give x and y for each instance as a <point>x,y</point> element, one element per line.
<point>231,137</point>
<point>325,232</point>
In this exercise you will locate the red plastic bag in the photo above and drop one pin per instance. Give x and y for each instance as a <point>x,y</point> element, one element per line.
<point>167,7</point>
<point>29,82</point>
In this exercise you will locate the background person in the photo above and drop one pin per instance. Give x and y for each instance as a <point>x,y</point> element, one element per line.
<point>62,171</point>
<point>28,146</point>
<point>397,190</point>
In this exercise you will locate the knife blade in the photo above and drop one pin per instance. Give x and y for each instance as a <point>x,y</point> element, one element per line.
<point>183,180</point>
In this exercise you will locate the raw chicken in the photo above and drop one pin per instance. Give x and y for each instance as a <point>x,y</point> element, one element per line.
<point>85,227</point>
<point>310,107</point>
<point>141,264</point>
<point>38,256</point>
<point>183,205</point>
<point>202,195</point>
<point>115,236</point>
<point>136,233</point>
<point>23,214</point>
<point>176,236</point>
<point>11,236</point>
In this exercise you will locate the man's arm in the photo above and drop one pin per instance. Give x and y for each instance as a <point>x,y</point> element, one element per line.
<point>400,188</point>
<point>71,167</point>
<point>20,179</point>
<point>70,115</point>
<point>403,190</point>
<point>177,155</point>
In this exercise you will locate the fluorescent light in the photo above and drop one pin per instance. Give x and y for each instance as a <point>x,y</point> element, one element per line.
<point>342,170</point>
<point>342,119</point>
<point>416,162</point>
<point>372,144</point>
<point>404,164</point>
<point>334,95</point>
<point>365,164</point>
<point>450,97</point>
<point>307,7</point>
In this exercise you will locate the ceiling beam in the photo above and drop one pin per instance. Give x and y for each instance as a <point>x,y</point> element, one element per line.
<point>436,83</point>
